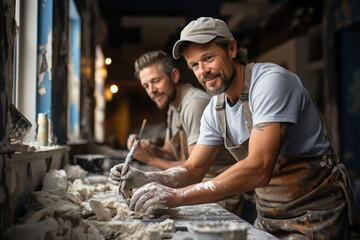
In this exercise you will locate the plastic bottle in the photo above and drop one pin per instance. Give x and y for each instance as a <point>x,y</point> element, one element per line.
<point>42,134</point>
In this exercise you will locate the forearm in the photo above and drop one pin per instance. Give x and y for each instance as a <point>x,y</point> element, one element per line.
<point>164,152</point>
<point>191,172</point>
<point>162,157</point>
<point>240,178</point>
<point>176,177</point>
<point>163,164</point>
<point>252,172</point>
<point>147,152</point>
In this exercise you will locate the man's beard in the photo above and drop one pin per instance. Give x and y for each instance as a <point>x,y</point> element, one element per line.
<point>169,98</point>
<point>224,85</point>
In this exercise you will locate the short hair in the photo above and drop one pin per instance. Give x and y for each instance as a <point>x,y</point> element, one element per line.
<point>166,62</point>
<point>223,42</point>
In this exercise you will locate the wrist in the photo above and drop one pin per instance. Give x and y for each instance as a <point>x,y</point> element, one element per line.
<point>180,197</point>
<point>149,160</point>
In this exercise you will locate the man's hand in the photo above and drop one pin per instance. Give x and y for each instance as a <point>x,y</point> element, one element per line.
<point>134,177</point>
<point>131,140</point>
<point>143,151</point>
<point>153,194</point>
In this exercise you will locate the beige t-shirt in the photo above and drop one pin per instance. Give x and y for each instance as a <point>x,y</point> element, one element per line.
<point>193,102</point>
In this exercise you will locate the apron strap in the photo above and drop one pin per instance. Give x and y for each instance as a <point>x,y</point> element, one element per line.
<point>220,106</point>
<point>179,125</point>
<point>323,124</point>
<point>178,140</point>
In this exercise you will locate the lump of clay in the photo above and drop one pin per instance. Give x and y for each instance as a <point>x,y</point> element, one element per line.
<point>160,211</point>
<point>74,172</point>
<point>79,190</point>
<point>135,230</point>
<point>102,213</point>
<point>165,228</point>
<point>55,182</point>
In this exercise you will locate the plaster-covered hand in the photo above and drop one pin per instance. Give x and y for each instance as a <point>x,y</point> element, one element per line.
<point>153,194</point>
<point>134,177</point>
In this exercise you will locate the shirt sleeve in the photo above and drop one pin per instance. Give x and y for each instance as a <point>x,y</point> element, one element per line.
<point>210,132</point>
<point>191,118</point>
<point>275,98</point>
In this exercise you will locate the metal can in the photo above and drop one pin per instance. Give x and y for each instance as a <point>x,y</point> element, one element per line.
<point>42,134</point>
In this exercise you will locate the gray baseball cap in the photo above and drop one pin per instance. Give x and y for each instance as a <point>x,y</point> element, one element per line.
<point>201,30</point>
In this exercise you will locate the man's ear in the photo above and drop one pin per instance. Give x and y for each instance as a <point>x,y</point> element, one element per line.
<point>232,48</point>
<point>175,75</point>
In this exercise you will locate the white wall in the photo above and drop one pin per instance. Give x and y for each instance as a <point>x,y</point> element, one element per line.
<point>26,97</point>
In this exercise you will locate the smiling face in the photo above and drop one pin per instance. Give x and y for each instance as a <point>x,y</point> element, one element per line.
<point>158,85</point>
<point>212,65</point>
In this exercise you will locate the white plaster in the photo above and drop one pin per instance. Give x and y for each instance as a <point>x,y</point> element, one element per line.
<point>209,185</point>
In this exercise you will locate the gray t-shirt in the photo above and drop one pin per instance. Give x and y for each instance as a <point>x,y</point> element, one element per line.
<point>275,95</point>
<point>193,104</point>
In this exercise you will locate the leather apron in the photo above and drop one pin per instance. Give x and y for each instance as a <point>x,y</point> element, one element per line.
<point>179,145</point>
<point>308,197</point>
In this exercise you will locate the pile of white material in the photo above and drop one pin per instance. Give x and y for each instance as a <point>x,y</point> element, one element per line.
<point>66,208</point>
<point>55,182</point>
<point>136,229</point>
<point>74,172</point>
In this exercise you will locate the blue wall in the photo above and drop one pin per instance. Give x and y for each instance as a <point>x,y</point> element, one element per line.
<point>45,28</point>
<point>75,51</point>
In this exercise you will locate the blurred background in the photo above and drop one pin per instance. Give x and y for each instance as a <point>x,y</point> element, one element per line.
<point>286,32</point>
<point>74,61</point>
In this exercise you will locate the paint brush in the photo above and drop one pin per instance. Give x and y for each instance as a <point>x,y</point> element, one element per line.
<point>142,128</point>
<point>130,155</point>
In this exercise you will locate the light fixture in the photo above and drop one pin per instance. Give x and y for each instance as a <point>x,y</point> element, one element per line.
<point>108,61</point>
<point>114,88</point>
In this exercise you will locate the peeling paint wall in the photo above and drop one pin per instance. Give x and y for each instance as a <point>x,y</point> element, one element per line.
<point>44,56</point>
<point>74,74</point>
<point>7,33</point>
<point>44,61</point>
<point>60,57</point>
<point>22,173</point>
<point>92,35</point>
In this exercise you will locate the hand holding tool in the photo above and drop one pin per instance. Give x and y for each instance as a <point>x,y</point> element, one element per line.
<point>127,193</point>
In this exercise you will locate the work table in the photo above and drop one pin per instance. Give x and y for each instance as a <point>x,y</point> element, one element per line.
<point>90,211</point>
<point>202,213</point>
<point>205,213</point>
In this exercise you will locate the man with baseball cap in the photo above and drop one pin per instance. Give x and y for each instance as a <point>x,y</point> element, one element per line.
<point>267,120</point>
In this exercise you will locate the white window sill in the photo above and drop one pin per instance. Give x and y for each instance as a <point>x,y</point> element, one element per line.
<point>41,153</point>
